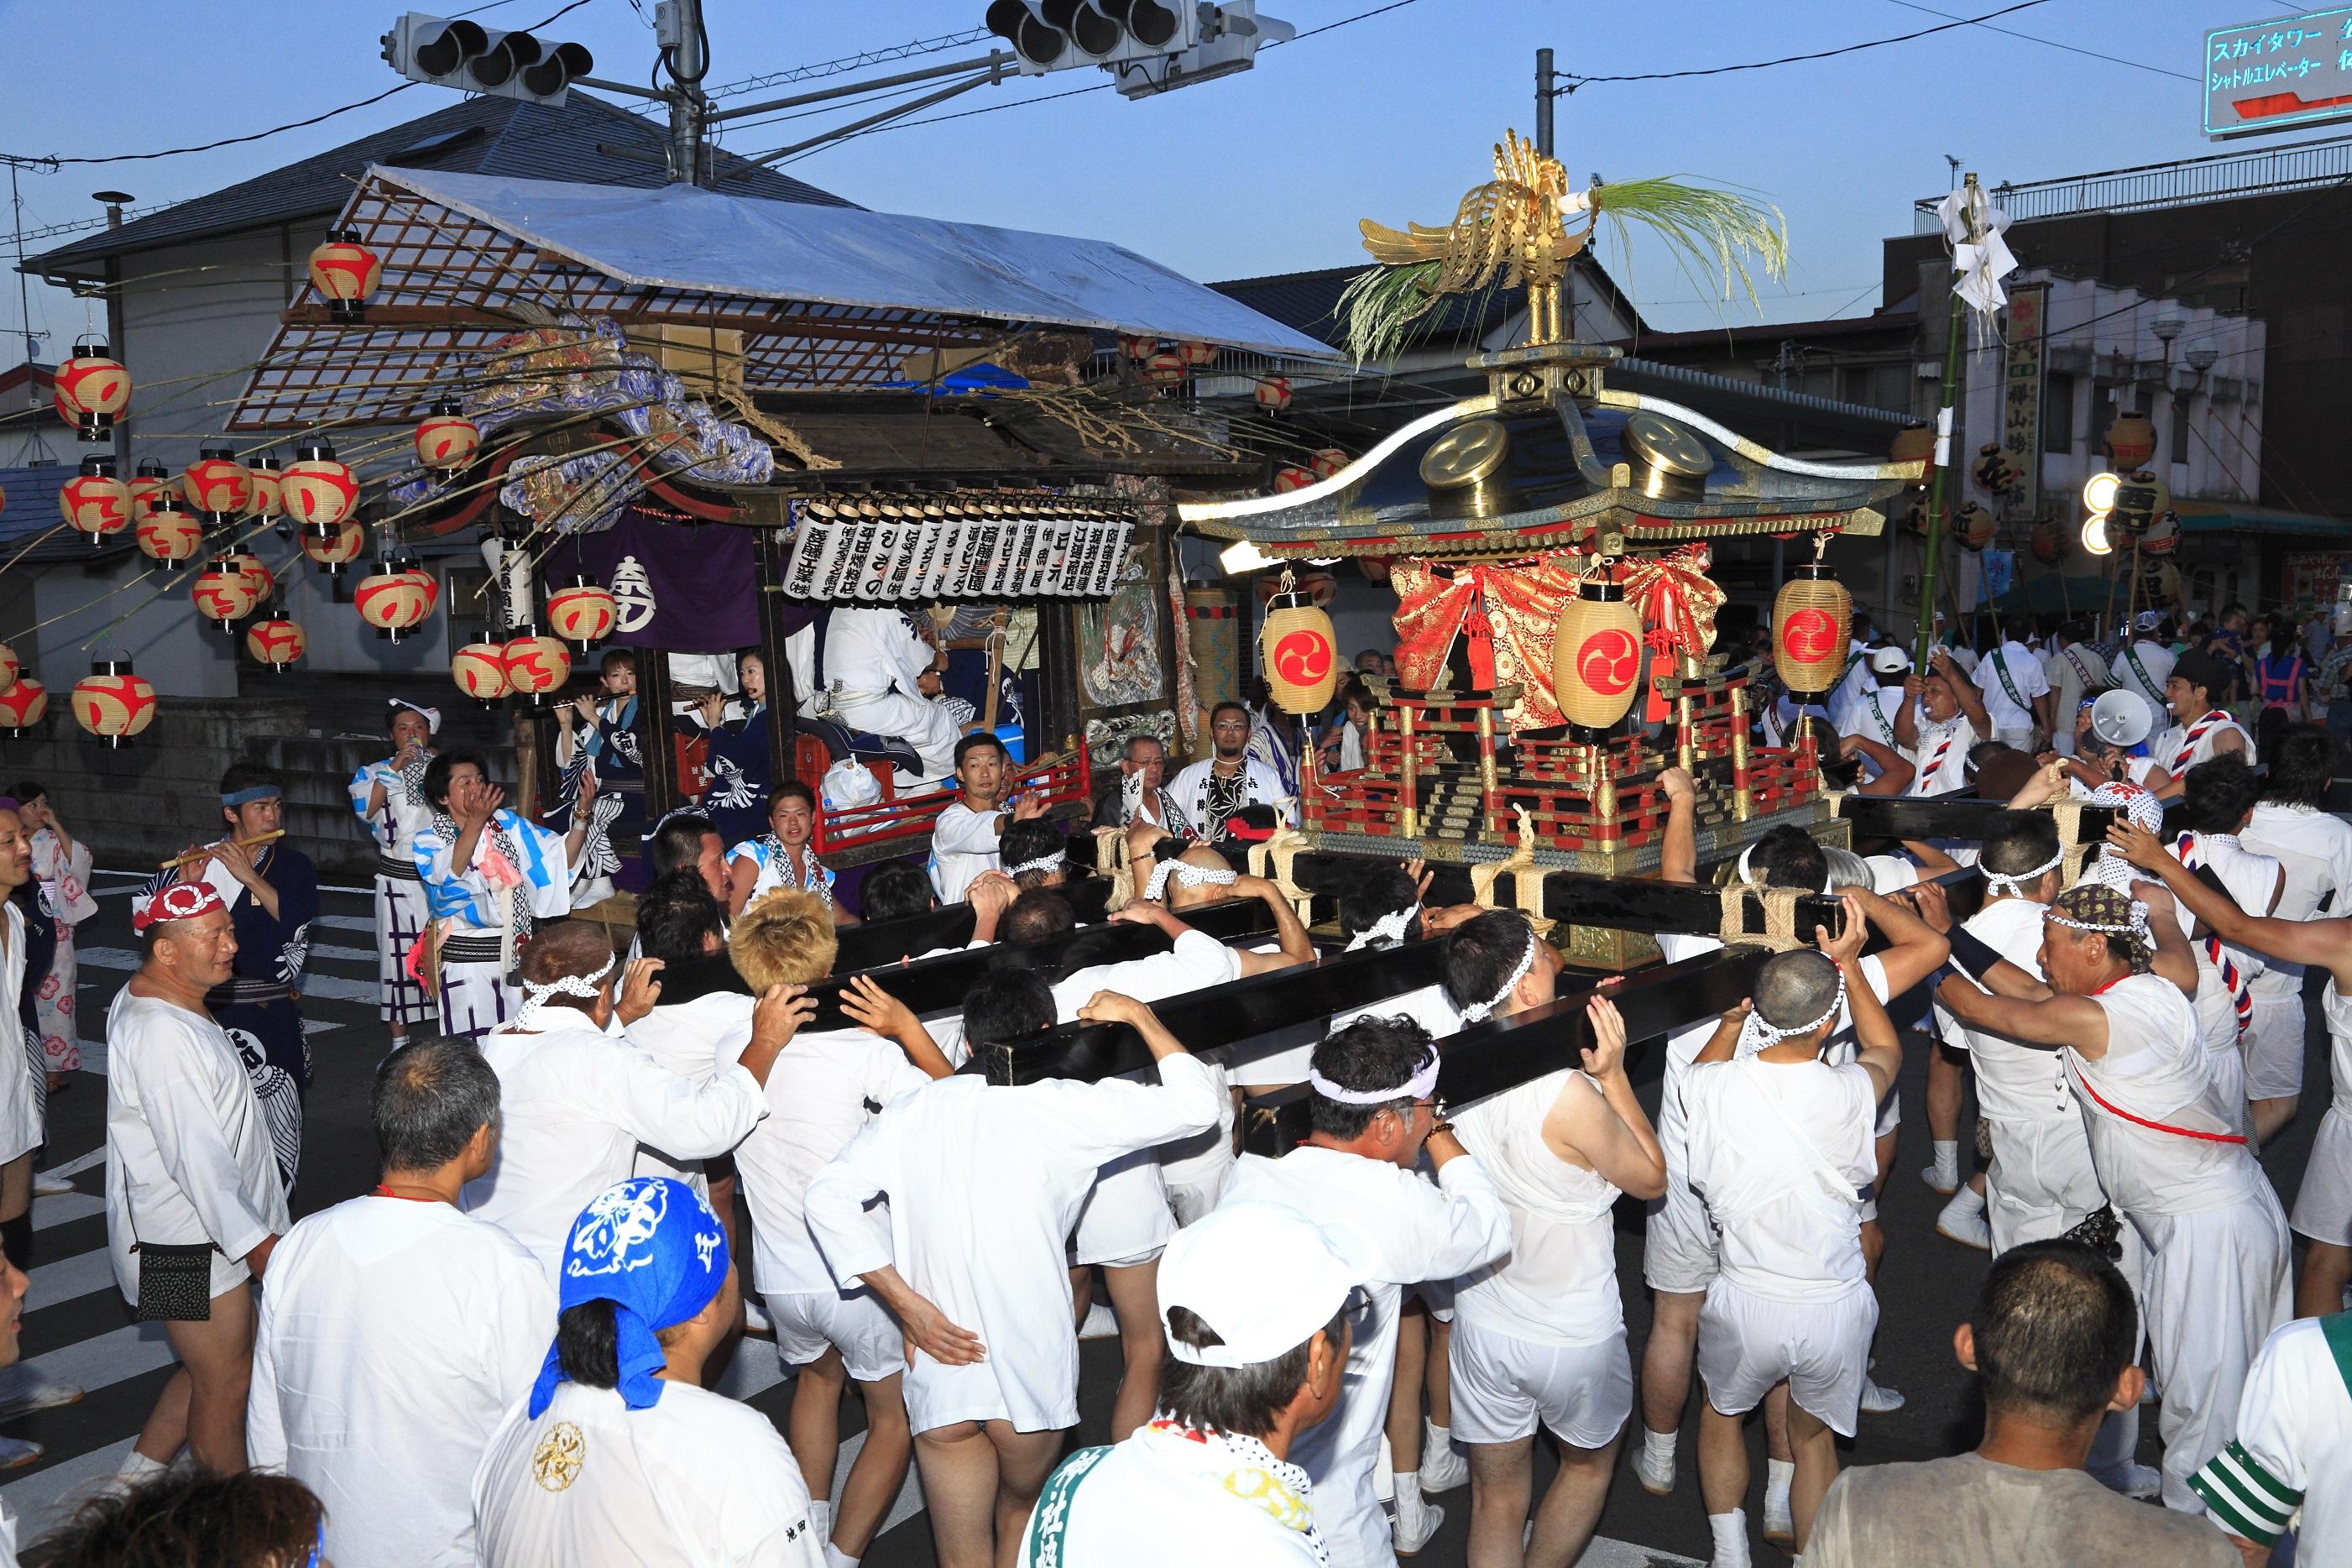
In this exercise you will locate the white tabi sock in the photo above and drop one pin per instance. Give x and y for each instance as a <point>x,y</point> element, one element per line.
<point>835,1557</point>
<point>1968,1199</point>
<point>1779,1476</point>
<point>138,1467</point>
<point>1408,1492</point>
<point>1434,1439</point>
<point>1948,1160</point>
<point>1730,1532</point>
<point>1658,1447</point>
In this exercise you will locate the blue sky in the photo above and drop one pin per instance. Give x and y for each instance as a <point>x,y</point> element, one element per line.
<point>1265,172</point>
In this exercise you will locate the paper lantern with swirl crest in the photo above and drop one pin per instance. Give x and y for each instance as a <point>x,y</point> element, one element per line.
<point>1810,619</point>
<point>334,547</point>
<point>217,485</point>
<point>1299,651</point>
<point>222,593</point>
<point>536,665</point>
<point>169,532</point>
<point>583,613</point>
<point>276,641</point>
<point>445,438</point>
<point>95,500</point>
<point>267,475</point>
<point>392,600</point>
<point>8,668</point>
<point>113,702</point>
<point>344,272</point>
<point>1596,657</point>
<point>90,390</point>
<point>21,705</point>
<point>479,668</point>
<point>316,488</point>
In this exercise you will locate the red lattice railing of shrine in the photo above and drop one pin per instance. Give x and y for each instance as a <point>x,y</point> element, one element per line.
<point>905,819</point>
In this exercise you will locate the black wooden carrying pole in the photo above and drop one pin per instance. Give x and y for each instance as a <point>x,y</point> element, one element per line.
<point>1945,817</point>
<point>1212,1022</point>
<point>878,943</point>
<point>770,547</point>
<point>1486,1058</point>
<point>931,986</point>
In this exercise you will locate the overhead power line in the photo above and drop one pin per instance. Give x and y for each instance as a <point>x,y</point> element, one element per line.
<point>860,61</point>
<point>1575,81</point>
<point>2050,43</point>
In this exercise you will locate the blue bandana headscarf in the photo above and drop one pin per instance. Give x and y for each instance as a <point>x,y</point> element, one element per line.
<point>652,1248</point>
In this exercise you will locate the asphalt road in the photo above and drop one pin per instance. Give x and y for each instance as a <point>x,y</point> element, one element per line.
<point>77,1328</point>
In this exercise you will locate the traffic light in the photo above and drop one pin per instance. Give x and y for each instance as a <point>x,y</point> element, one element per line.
<point>1149,46</point>
<point>474,59</point>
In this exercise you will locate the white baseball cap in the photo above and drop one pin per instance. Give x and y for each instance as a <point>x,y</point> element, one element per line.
<point>1262,1276</point>
<point>1889,662</point>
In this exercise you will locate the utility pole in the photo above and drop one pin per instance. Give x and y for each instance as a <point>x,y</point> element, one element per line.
<point>40,446</point>
<point>1546,91</point>
<point>1944,452</point>
<point>689,62</point>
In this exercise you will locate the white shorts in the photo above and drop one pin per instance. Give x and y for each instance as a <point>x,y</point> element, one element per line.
<point>852,1321</point>
<point>1748,1343</point>
<point>2323,1208</point>
<point>2274,1048</point>
<point>1503,1386</point>
<point>1679,1248</point>
<point>1126,1220</point>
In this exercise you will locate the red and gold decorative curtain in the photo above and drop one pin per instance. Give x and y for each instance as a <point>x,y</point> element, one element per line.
<point>1509,611</point>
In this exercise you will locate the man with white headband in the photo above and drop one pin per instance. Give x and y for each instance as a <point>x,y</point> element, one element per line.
<point>1869,711</point>
<point>1539,1336</point>
<point>1679,1252</point>
<point>1255,1304</point>
<point>618,1454</point>
<point>2042,1183</point>
<point>1034,854</point>
<point>271,890</point>
<point>576,1099</point>
<point>2167,1150</point>
<point>193,1201</point>
<point>1374,1111</point>
<point>389,797</point>
<point>1139,1199</point>
<point>1781,1148</point>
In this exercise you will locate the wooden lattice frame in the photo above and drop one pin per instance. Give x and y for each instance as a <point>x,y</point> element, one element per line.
<point>452,284</point>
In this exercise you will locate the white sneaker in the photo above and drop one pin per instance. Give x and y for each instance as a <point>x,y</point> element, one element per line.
<point>1443,1467</point>
<point>1878,1401</point>
<point>15,1453</point>
<point>24,1389</point>
<point>1657,1479</point>
<point>1934,1179</point>
<point>2132,1480</point>
<point>755,1319</point>
<point>1415,1526</point>
<point>1963,1220</point>
<point>48,1186</point>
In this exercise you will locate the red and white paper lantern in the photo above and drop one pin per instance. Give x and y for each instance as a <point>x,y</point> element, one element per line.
<point>217,485</point>
<point>276,641</point>
<point>317,489</point>
<point>21,705</point>
<point>112,701</point>
<point>535,665</point>
<point>1274,394</point>
<point>8,667</point>
<point>445,438</point>
<point>583,613</point>
<point>334,547</point>
<point>170,532</point>
<point>95,500</point>
<point>90,390</point>
<point>344,272</point>
<point>479,668</point>
<point>222,593</point>
<point>267,475</point>
<point>393,600</point>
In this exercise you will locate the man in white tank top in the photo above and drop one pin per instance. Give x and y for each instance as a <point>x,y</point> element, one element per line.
<point>1782,1145</point>
<point>2219,801</point>
<point>2201,727</point>
<point>2167,1149</point>
<point>1539,1333</point>
<point>2323,1209</point>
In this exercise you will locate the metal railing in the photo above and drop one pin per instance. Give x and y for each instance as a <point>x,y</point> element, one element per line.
<point>2188,181</point>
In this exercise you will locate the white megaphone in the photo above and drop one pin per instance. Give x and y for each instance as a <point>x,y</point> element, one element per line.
<point>2121,718</point>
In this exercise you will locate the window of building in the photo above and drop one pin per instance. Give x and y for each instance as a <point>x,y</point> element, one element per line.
<point>2058,414</point>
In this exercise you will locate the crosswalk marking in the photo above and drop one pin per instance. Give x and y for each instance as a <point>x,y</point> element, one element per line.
<point>104,1360</point>
<point>349,922</point>
<point>65,1209</point>
<point>45,1497</point>
<point>69,1278</point>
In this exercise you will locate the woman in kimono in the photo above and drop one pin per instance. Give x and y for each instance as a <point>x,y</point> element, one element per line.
<point>606,735</point>
<point>61,865</point>
<point>488,874</point>
<point>272,893</point>
<point>737,765</point>
<point>389,797</point>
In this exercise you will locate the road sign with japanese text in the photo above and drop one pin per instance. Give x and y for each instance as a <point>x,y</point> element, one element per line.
<point>2278,75</point>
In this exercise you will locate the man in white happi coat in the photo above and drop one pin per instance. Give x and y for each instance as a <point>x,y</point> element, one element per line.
<point>2016,694</point>
<point>2077,673</point>
<point>397,1332</point>
<point>984,1184</point>
<point>1946,718</point>
<point>1373,1108</point>
<point>2040,1184</point>
<point>24,1071</point>
<point>193,1203</point>
<point>2144,664</point>
<point>2314,845</point>
<point>389,797</point>
<point>1214,789</point>
<point>966,834</point>
<point>489,877</point>
<point>618,1456</point>
<point>875,662</point>
<point>1781,1146</point>
<point>2202,728</point>
<point>2167,1149</point>
<point>829,1085</point>
<point>2217,803</point>
<point>1539,1336</point>
<point>1257,1317</point>
<point>2285,1464</point>
<point>1872,712</point>
<point>577,1098</point>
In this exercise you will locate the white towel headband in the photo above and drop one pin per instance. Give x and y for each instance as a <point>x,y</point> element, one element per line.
<point>584,986</point>
<point>1190,876</point>
<point>1386,932</point>
<point>1043,863</point>
<point>2003,882</point>
<point>1756,1034</point>
<point>1479,1012</point>
<point>1418,1086</point>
